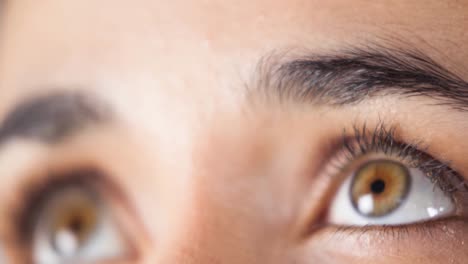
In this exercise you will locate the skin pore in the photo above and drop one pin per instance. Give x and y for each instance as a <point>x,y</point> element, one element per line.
<point>207,149</point>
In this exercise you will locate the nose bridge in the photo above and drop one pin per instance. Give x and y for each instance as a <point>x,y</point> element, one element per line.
<point>225,215</point>
<point>211,230</point>
<point>221,224</point>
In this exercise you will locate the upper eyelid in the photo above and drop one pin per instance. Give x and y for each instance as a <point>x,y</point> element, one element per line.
<point>370,140</point>
<point>381,139</point>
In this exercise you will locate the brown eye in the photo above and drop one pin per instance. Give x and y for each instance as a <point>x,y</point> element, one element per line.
<point>73,222</point>
<point>379,187</point>
<point>387,192</point>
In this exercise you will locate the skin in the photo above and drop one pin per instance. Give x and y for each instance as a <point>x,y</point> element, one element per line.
<point>250,174</point>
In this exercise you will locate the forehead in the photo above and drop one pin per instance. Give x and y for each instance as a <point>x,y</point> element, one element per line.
<point>205,44</point>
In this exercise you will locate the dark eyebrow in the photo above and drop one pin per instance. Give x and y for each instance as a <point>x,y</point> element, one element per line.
<point>53,117</point>
<point>351,76</point>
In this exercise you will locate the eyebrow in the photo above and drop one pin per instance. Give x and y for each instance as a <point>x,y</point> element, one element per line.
<point>53,117</point>
<point>354,75</point>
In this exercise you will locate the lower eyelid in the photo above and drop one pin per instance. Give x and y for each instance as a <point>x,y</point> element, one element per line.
<point>443,238</point>
<point>448,228</point>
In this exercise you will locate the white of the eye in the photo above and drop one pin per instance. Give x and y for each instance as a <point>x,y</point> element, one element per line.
<point>105,242</point>
<point>66,243</point>
<point>425,201</point>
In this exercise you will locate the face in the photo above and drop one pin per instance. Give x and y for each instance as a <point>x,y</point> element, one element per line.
<point>233,132</point>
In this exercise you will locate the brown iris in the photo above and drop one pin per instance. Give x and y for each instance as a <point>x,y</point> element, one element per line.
<point>75,219</point>
<point>379,187</point>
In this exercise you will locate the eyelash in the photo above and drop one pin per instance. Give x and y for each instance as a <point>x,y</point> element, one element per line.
<point>382,140</point>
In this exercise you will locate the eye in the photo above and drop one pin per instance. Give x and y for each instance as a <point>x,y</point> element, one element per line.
<point>74,224</point>
<point>387,192</point>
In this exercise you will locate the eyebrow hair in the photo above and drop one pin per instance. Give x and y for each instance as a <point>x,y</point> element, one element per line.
<point>53,117</point>
<point>354,75</point>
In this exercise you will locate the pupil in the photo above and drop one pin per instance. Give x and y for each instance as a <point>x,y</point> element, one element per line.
<point>378,186</point>
<point>76,225</point>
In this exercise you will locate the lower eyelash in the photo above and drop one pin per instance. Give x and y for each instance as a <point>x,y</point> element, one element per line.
<point>382,140</point>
